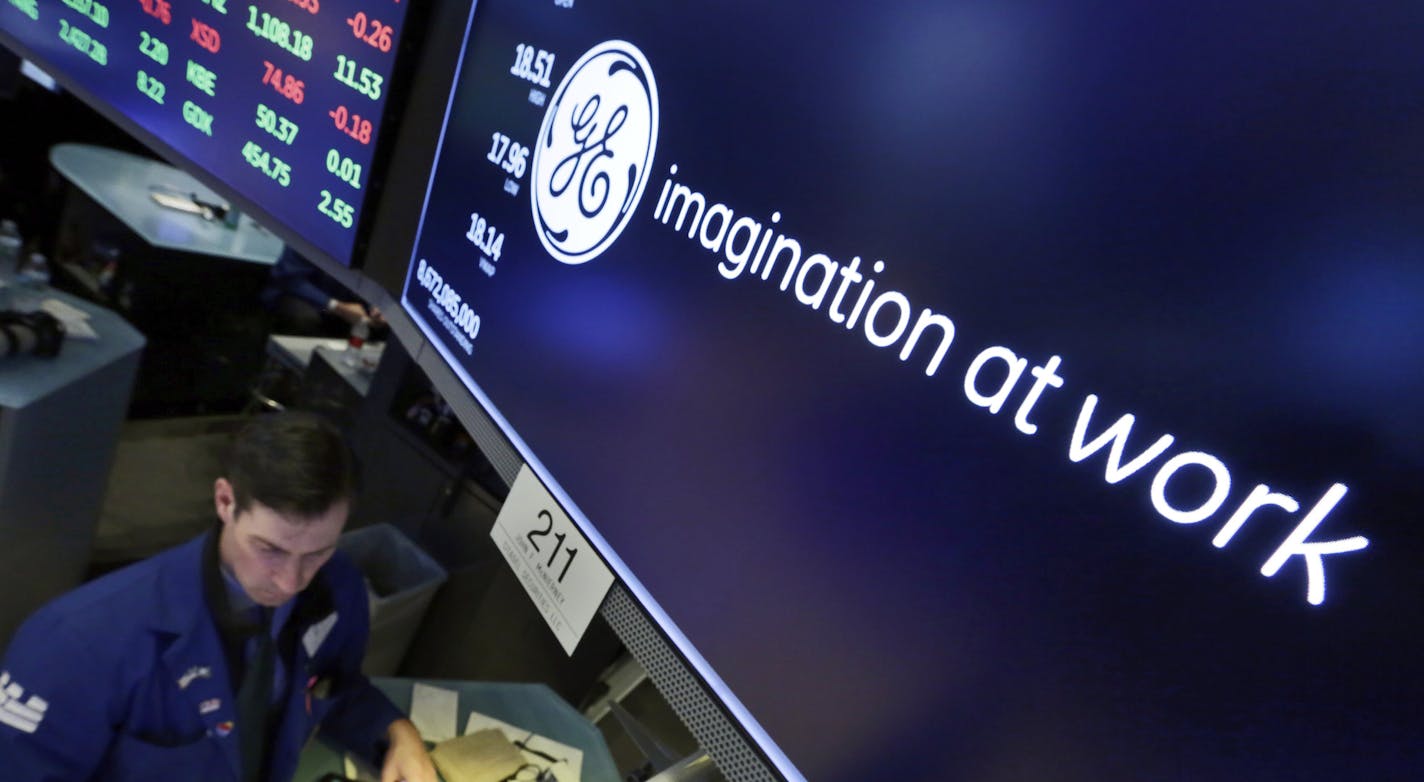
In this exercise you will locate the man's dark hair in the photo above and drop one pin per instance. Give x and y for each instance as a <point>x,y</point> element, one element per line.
<point>297,464</point>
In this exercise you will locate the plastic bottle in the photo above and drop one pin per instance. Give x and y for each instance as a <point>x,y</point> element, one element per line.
<point>360,331</point>
<point>32,283</point>
<point>10,244</point>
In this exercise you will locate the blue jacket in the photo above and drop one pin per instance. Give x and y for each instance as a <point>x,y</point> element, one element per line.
<point>294,275</point>
<point>125,679</point>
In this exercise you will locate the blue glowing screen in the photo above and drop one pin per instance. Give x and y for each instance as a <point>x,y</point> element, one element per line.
<point>280,100</point>
<point>984,391</point>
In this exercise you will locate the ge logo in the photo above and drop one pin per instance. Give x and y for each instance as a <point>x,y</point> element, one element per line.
<point>594,150</point>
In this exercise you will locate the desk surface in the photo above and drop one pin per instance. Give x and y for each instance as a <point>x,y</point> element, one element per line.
<point>124,184</point>
<point>295,352</point>
<point>25,379</point>
<point>357,376</point>
<point>533,707</point>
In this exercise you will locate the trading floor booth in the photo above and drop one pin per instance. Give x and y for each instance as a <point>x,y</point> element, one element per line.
<point>59,424</point>
<point>146,240</point>
<point>795,391</point>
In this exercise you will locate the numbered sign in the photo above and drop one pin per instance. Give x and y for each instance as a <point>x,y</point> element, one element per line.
<point>558,568</point>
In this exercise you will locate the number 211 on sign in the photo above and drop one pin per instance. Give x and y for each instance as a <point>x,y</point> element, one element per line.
<point>559,538</point>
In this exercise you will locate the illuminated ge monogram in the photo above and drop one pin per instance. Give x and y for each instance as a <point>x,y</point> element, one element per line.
<point>594,151</point>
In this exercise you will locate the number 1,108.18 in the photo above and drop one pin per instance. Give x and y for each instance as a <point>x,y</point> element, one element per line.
<point>279,32</point>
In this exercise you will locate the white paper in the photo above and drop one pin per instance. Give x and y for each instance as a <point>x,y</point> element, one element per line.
<point>76,321</point>
<point>552,559</point>
<point>357,770</point>
<point>63,310</point>
<point>317,633</point>
<point>434,711</point>
<point>568,764</point>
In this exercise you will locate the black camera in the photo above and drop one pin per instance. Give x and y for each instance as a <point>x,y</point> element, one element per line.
<point>38,333</point>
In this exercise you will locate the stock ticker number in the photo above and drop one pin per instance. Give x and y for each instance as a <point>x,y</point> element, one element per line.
<point>559,538</point>
<point>369,83</point>
<point>279,32</point>
<point>280,127</point>
<point>345,169</point>
<point>154,48</point>
<point>342,213</point>
<point>352,125</point>
<point>535,65</point>
<point>97,12</point>
<point>486,237</point>
<point>310,6</point>
<point>158,9</point>
<point>81,41</point>
<point>511,156</point>
<point>292,89</point>
<point>151,87</point>
<point>273,167</point>
<point>371,31</point>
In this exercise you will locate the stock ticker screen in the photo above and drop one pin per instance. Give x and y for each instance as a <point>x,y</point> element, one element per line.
<point>280,99</point>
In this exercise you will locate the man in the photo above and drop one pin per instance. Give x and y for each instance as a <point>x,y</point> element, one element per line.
<point>304,301</point>
<point>217,659</point>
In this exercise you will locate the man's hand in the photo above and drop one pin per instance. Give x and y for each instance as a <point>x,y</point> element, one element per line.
<point>407,760</point>
<point>350,311</point>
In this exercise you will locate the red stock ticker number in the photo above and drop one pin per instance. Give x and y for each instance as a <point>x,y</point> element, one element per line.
<point>371,31</point>
<point>158,9</point>
<point>286,85</point>
<point>353,125</point>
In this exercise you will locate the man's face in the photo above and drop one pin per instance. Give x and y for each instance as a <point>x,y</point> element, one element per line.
<point>274,557</point>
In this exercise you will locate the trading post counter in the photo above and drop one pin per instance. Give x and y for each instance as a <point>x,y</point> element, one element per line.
<point>60,418</point>
<point>550,733</point>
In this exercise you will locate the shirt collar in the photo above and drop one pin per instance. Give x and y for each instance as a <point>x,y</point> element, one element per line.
<point>242,606</point>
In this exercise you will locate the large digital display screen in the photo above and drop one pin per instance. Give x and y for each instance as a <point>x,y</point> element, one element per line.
<point>975,391</point>
<point>279,99</point>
